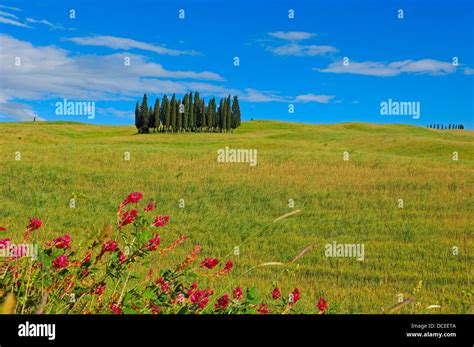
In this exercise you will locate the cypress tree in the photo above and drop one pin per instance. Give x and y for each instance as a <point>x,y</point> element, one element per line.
<point>144,115</point>
<point>173,112</point>
<point>227,113</point>
<point>157,114</point>
<point>151,118</point>
<point>203,114</point>
<point>190,111</point>
<point>165,106</point>
<point>185,115</point>
<point>210,114</point>
<point>179,116</point>
<point>235,113</point>
<point>196,107</point>
<point>222,116</point>
<point>137,116</point>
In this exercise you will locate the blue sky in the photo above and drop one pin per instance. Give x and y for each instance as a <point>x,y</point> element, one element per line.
<point>283,61</point>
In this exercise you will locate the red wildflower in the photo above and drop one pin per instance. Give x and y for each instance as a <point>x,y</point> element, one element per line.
<point>128,217</point>
<point>63,241</point>
<point>263,309</point>
<point>161,221</point>
<point>276,293</point>
<point>237,293</point>
<point>85,272</point>
<point>294,296</point>
<point>201,297</point>
<point>109,246</point>
<point>3,229</point>
<point>209,263</point>
<point>202,303</point>
<point>192,288</point>
<point>100,289</point>
<point>5,243</point>
<point>322,305</point>
<point>162,283</point>
<point>228,265</point>
<point>155,309</point>
<point>60,262</point>
<point>115,309</point>
<point>222,302</point>
<point>121,257</point>
<point>132,198</point>
<point>35,223</point>
<point>149,207</point>
<point>87,258</point>
<point>153,243</point>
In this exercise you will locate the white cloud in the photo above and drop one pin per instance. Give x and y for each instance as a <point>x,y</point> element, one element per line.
<point>45,22</point>
<point>253,95</point>
<point>52,73</point>
<point>383,69</point>
<point>468,71</point>
<point>126,44</point>
<point>323,99</point>
<point>298,50</point>
<point>49,70</point>
<point>10,8</point>
<point>18,111</point>
<point>9,21</point>
<point>292,35</point>
<point>115,112</point>
<point>6,14</point>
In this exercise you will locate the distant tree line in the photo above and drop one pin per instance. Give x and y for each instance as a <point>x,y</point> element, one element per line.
<point>441,126</point>
<point>191,114</point>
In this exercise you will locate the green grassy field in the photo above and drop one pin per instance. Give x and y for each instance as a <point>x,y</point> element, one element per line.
<point>232,204</point>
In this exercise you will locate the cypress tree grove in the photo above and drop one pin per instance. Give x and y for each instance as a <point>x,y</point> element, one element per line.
<point>189,114</point>
<point>157,115</point>
<point>173,112</point>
